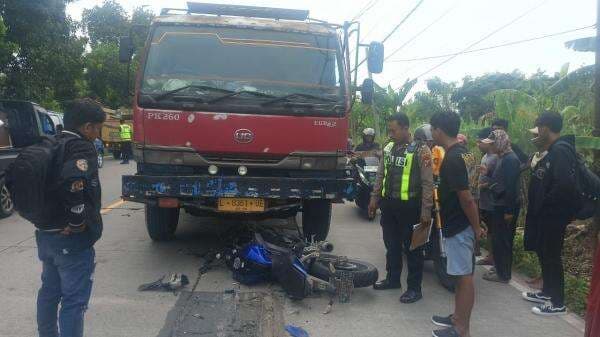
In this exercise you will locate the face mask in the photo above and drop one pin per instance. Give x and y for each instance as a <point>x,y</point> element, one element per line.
<point>537,142</point>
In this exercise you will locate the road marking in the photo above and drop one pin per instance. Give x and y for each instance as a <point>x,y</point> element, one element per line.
<point>112,206</point>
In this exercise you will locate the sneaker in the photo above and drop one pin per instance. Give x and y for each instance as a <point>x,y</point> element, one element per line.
<point>442,321</point>
<point>448,332</point>
<point>549,310</point>
<point>537,297</point>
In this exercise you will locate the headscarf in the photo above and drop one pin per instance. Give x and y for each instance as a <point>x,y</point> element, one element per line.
<point>501,142</point>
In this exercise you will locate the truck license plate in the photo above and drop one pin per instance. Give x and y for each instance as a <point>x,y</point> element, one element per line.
<point>241,205</point>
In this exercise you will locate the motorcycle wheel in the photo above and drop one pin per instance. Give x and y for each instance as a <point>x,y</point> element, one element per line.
<point>364,273</point>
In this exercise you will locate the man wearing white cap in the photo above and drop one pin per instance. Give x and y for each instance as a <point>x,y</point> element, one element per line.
<point>552,205</point>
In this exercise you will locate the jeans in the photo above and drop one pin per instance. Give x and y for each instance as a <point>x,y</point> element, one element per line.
<point>397,221</point>
<point>67,279</point>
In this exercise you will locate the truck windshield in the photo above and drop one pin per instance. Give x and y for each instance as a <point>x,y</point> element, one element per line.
<point>270,62</point>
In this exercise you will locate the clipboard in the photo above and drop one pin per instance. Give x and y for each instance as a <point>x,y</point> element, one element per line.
<point>421,235</point>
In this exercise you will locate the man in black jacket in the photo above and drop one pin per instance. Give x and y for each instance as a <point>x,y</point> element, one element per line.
<point>66,243</point>
<point>552,206</point>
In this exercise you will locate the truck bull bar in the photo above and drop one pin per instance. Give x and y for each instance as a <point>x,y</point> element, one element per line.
<point>140,188</point>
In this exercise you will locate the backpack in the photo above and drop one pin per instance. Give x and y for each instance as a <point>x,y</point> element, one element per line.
<point>33,180</point>
<point>587,185</point>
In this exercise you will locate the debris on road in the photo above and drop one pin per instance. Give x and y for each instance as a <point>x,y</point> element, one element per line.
<point>296,331</point>
<point>175,282</point>
<point>245,314</point>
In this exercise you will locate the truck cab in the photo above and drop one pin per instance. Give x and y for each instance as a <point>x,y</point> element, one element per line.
<point>240,112</point>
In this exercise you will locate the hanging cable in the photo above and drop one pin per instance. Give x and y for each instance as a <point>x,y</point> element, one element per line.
<point>394,30</point>
<point>484,38</point>
<point>420,33</point>
<point>507,44</point>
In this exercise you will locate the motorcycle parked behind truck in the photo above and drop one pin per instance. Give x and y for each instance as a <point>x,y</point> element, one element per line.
<point>365,174</point>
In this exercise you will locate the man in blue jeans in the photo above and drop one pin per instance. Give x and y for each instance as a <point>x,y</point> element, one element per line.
<point>66,242</point>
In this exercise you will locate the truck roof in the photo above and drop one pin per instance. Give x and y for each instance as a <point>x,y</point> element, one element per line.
<point>313,27</point>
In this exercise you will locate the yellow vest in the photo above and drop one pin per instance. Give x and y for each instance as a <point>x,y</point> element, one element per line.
<point>125,132</point>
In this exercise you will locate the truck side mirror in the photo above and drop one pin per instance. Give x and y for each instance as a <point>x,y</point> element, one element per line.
<point>375,55</point>
<point>367,91</point>
<point>125,49</point>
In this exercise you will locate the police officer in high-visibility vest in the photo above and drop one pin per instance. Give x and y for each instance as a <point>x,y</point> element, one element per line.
<point>404,192</point>
<point>126,137</point>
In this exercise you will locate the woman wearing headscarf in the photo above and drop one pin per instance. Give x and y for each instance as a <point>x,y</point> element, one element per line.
<point>504,185</point>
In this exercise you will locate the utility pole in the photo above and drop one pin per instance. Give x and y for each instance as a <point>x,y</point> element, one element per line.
<point>596,132</point>
<point>597,80</point>
<point>375,113</point>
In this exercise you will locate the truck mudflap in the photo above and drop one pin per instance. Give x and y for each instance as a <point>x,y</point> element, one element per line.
<point>143,187</point>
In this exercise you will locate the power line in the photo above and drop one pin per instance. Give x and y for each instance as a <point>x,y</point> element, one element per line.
<point>484,38</point>
<point>365,9</point>
<point>393,30</point>
<point>419,33</point>
<point>512,43</point>
<point>401,22</point>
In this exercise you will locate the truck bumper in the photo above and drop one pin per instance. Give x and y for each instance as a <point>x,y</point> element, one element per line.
<point>142,188</point>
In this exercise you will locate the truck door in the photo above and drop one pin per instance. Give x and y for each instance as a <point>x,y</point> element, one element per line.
<point>23,122</point>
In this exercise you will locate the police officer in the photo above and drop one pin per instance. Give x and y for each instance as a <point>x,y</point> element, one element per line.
<point>66,241</point>
<point>403,190</point>
<point>126,136</point>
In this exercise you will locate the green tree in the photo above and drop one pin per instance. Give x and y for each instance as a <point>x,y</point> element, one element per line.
<point>106,78</point>
<point>47,64</point>
<point>7,49</point>
<point>105,23</point>
<point>470,97</point>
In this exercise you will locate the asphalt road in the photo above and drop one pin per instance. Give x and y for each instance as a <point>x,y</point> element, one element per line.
<point>127,258</point>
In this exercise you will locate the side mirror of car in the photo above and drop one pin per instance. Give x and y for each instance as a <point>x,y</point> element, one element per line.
<point>375,56</point>
<point>125,49</point>
<point>367,91</point>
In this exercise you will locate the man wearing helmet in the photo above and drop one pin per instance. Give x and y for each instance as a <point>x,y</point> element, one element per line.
<point>368,143</point>
<point>403,189</point>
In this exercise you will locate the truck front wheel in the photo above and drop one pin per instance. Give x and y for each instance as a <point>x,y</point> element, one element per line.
<point>316,219</point>
<point>161,222</point>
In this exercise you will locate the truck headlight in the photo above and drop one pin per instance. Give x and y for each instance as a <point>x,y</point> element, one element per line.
<point>213,169</point>
<point>242,170</point>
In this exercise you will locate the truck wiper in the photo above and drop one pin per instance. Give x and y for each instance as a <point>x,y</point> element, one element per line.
<point>241,92</point>
<point>192,86</point>
<point>286,98</point>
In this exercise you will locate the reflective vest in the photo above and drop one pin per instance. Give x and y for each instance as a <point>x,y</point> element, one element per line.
<point>125,132</point>
<point>402,177</point>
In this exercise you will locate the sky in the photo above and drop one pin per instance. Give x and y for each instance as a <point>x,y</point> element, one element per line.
<point>440,27</point>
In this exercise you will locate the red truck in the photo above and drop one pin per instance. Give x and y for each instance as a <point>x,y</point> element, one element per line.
<point>242,111</point>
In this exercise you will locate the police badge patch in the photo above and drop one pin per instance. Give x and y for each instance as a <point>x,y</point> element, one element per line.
<point>82,165</point>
